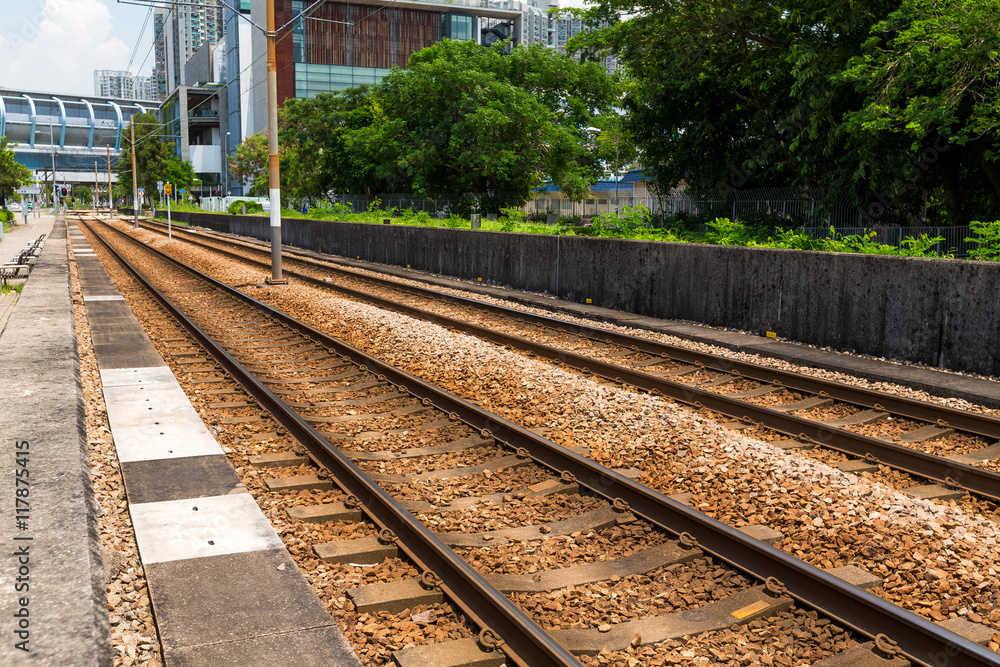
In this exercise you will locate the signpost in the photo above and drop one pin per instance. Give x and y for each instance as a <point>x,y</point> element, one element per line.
<point>170,230</point>
<point>26,190</point>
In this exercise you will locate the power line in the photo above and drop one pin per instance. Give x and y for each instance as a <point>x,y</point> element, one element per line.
<point>135,49</point>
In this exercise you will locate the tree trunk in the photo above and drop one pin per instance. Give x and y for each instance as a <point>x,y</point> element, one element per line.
<point>950,165</point>
<point>991,170</point>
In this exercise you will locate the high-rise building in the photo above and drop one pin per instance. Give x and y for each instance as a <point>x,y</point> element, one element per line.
<point>239,80</point>
<point>179,30</point>
<point>160,16</point>
<point>122,85</point>
<point>346,44</point>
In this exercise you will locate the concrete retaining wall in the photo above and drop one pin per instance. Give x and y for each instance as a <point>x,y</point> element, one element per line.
<point>943,313</point>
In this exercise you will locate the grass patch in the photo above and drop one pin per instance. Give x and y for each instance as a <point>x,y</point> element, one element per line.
<point>8,288</point>
<point>636,223</point>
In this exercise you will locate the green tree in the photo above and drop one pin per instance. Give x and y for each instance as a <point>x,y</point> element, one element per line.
<point>460,118</point>
<point>929,73</point>
<point>156,159</point>
<point>12,173</point>
<point>727,95</point>
<point>178,172</point>
<point>316,160</point>
<point>464,118</point>
<point>249,164</point>
<point>81,194</point>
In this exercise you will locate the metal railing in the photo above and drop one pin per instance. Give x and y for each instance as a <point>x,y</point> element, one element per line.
<point>954,242</point>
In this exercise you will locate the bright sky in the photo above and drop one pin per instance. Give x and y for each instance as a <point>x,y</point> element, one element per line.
<point>55,45</point>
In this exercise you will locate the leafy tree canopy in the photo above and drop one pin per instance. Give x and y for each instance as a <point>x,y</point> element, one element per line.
<point>155,157</point>
<point>249,164</point>
<point>13,174</point>
<point>460,118</point>
<point>797,93</point>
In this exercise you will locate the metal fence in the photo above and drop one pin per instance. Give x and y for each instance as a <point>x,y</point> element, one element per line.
<point>440,207</point>
<point>954,242</point>
<point>815,219</point>
<point>802,211</point>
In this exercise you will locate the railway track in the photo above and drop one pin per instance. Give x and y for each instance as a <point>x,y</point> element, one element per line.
<point>956,450</point>
<point>324,393</point>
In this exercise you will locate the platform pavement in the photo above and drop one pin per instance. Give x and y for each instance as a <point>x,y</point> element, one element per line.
<point>51,575</point>
<point>225,590</point>
<point>15,239</point>
<point>20,234</point>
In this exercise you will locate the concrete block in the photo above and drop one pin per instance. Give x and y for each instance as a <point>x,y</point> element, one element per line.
<point>792,444</point>
<point>804,404</point>
<point>934,492</point>
<point>393,597</point>
<point>975,632</point>
<point>857,466</point>
<point>459,653</point>
<point>862,656</point>
<point>366,550</point>
<point>278,460</point>
<point>857,576</point>
<point>743,607</point>
<point>578,575</point>
<point>298,483</point>
<point>324,512</point>
<point>765,534</point>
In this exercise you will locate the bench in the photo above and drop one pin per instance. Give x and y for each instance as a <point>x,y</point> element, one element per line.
<point>19,267</point>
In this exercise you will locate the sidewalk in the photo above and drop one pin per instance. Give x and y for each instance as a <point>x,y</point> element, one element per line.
<point>50,537</point>
<point>23,234</point>
<point>13,241</point>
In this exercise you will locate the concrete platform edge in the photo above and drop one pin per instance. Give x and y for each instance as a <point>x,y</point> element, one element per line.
<point>40,371</point>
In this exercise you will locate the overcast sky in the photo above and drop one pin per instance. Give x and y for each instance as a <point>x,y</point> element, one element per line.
<point>55,45</point>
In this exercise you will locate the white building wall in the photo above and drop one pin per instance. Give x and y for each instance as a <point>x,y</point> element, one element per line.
<point>206,159</point>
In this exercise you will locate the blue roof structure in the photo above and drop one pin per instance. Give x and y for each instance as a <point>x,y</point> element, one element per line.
<point>634,176</point>
<point>599,186</point>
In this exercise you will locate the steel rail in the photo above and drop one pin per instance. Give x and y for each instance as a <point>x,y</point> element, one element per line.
<point>963,420</point>
<point>977,480</point>
<point>524,641</point>
<point>918,638</point>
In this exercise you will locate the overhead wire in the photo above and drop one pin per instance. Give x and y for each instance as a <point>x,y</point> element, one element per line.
<point>135,49</point>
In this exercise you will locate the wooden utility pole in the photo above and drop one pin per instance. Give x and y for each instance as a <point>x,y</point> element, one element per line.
<point>135,182</point>
<point>274,176</point>
<point>111,197</point>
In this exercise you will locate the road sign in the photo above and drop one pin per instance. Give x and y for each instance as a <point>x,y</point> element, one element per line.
<point>169,188</point>
<point>142,193</point>
<point>181,191</point>
<point>159,186</point>
<point>30,190</point>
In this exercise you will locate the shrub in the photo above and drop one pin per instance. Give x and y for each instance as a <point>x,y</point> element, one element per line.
<point>987,240</point>
<point>252,207</point>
